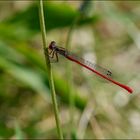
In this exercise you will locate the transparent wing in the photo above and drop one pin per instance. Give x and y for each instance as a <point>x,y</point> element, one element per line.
<point>93,66</point>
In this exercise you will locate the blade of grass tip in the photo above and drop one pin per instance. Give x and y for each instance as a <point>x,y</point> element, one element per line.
<point>85,119</point>
<point>49,71</point>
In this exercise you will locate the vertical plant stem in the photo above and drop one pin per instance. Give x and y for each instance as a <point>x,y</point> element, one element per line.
<point>69,73</point>
<point>49,71</point>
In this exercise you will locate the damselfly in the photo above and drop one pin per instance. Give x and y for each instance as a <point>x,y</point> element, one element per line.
<point>54,50</point>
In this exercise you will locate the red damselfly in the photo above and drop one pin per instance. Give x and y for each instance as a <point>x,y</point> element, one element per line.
<point>54,50</point>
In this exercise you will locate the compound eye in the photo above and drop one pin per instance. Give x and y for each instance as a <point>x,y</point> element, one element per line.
<point>52,45</point>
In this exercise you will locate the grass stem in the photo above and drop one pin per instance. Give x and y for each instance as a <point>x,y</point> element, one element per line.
<point>69,76</point>
<point>49,71</point>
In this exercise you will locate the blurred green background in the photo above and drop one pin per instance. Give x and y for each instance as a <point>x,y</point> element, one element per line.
<point>106,33</point>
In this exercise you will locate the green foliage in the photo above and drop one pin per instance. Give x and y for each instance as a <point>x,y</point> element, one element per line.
<point>23,25</point>
<point>113,29</point>
<point>18,132</point>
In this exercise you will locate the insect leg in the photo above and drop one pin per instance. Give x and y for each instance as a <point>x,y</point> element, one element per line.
<point>52,54</point>
<point>50,51</point>
<point>56,57</point>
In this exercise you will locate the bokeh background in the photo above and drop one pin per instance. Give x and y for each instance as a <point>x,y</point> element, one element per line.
<point>103,32</point>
